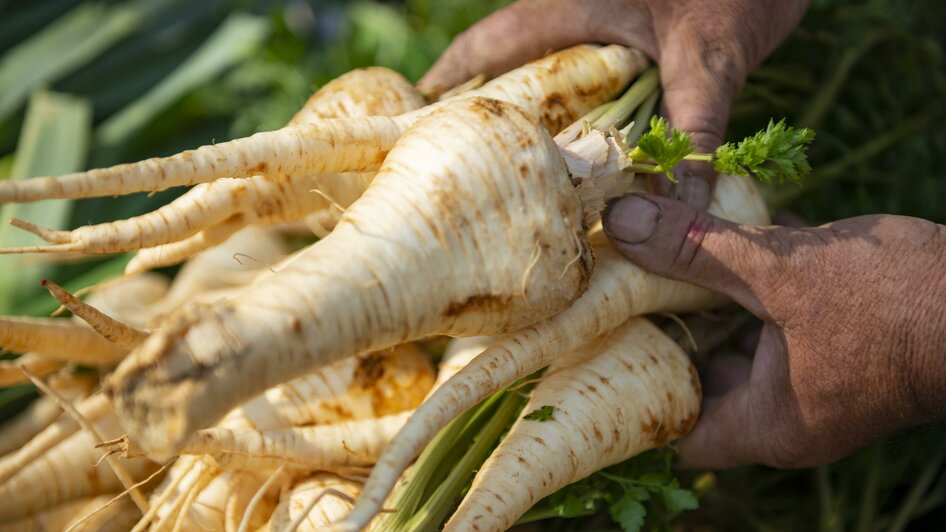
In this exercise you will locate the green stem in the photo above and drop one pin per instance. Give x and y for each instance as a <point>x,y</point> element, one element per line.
<point>910,503</point>
<point>434,464</point>
<point>824,99</point>
<point>645,85</point>
<point>444,499</point>
<point>641,119</point>
<point>868,512</point>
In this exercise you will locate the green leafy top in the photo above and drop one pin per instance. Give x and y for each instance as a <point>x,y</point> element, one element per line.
<point>638,492</point>
<point>540,414</point>
<point>776,153</point>
<point>667,150</point>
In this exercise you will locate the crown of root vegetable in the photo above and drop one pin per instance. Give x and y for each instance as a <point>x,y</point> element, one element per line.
<point>471,227</point>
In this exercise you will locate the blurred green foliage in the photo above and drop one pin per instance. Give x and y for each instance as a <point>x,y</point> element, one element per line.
<point>868,75</point>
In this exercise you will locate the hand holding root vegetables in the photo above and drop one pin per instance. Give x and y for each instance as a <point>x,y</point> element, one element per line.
<point>704,48</point>
<point>848,306</point>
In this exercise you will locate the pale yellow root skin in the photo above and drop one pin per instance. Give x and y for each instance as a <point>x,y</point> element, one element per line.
<point>119,516</point>
<point>364,91</point>
<point>498,171</point>
<point>91,408</point>
<point>556,90</point>
<point>636,391</point>
<point>332,447</point>
<point>329,508</point>
<point>66,471</point>
<point>359,387</point>
<point>131,299</point>
<point>11,372</point>
<point>40,414</point>
<point>60,340</point>
<point>53,519</point>
<point>618,290</point>
<point>231,203</point>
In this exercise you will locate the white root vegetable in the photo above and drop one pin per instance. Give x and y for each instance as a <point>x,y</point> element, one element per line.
<point>52,519</point>
<point>215,210</point>
<point>93,408</point>
<point>631,390</point>
<point>65,472</point>
<point>313,503</point>
<point>11,372</point>
<point>332,447</point>
<point>618,290</point>
<point>418,216</point>
<point>40,414</point>
<point>58,340</point>
<point>556,89</point>
<point>119,516</point>
<point>354,388</point>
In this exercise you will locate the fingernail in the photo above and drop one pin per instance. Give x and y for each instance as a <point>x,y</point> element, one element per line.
<point>632,219</point>
<point>694,191</point>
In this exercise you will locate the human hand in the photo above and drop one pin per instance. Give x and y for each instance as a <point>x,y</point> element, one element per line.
<point>705,49</point>
<point>854,341</point>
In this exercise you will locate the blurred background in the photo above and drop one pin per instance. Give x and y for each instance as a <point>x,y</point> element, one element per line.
<point>89,84</point>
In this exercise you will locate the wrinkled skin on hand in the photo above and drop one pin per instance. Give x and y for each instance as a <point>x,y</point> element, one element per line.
<point>854,338</point>
<point>705,49</point>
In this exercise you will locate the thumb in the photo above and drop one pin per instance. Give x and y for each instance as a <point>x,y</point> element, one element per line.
<point>679,241</point>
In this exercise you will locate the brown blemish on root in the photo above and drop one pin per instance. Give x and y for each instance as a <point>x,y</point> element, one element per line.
<point>478,303</point>
<point>489,106</point>
<point>260,168</point>
<point>370,369</point>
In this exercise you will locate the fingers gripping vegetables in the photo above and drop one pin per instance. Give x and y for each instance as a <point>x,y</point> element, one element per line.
<point>498,172</point>
<point>556,89</point>
<point>618,290</point>
<point>636,391</point>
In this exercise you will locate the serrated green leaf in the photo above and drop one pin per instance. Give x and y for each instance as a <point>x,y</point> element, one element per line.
<point>665,146</point>
<point>544,413</point>
<point>678,500</point>
<point>778,153</point>
<point>628,512</point>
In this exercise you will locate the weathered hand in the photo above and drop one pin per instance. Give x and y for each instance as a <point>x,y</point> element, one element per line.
<point>705,49</point>
<point>854,342</point>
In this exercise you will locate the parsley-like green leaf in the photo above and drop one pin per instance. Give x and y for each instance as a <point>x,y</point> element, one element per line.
<point>628,512</point>
<point>776,153</point>
<point>540,414</point>
<point>667,147</point>
<point>677,499</point>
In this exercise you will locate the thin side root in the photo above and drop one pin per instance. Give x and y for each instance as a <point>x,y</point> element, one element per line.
<point>111,329</point>
<point>49,235</point>
<point>120,472</point>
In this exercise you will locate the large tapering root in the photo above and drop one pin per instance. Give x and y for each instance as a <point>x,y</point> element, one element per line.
<point>617,291</point>
<point>318,308</point>
<point>120,334</point>
<point>630,391</point>
<point>555,90</point>
<point>58,339</point>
